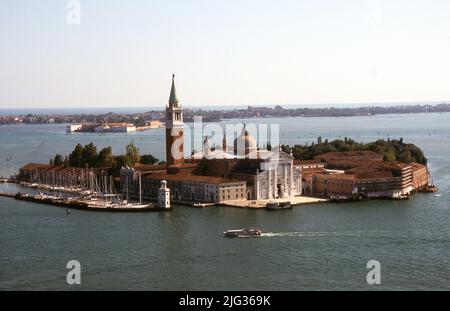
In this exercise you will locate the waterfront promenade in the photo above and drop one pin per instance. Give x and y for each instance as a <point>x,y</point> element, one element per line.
<point>295,201</point>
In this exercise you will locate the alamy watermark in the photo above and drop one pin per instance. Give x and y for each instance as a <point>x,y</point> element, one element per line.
<point>73,277</point>
<point>374,275</point>
<point>73,16</point>
<point>214,141</point>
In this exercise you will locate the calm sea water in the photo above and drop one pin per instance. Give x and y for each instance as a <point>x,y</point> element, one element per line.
<point>324,246</point>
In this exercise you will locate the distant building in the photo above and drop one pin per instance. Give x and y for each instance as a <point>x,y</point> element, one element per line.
<point>154,124</point>
<point>102,128</point>
<point>364,174</point>
<point>73,128</point>
<point>115,128</point>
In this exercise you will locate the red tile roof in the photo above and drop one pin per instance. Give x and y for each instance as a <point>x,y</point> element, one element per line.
<point>193,178</point>
<point>149,167</point>
<point>308,162</point>
<point>32,166</point>
<point>417,166</point>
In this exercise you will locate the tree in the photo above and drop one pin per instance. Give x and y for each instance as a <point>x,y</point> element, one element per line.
<point>89,155</point>
<point>392,150</point>
<point>148,159</point>
<point>105,158</point>
<point>389,155</point>
<point>66,161</point>
<point>405,156</point>
<point>139,122</point>
<point>119,162</point>
<point>58,160</point>
<point>132,154</point>
<point>76,157</point>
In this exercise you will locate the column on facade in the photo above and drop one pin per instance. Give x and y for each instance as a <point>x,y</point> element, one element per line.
<point>269,184</point>
<point>285,190</point>
<point>256,183</point>
<point>275,193</point>
<point>291,179</point>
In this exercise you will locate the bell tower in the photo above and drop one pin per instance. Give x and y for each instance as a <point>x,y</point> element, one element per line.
<point>174,129</point>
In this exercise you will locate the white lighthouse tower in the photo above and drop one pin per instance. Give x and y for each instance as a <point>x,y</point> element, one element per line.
<point>164,195</point>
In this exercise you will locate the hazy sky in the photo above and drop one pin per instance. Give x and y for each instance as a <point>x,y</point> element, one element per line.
<point>228,52</point>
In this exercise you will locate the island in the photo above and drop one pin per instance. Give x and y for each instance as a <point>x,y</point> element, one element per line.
<point>150,119</point>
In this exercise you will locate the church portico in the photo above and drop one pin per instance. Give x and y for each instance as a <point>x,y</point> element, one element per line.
<point>275,178</point>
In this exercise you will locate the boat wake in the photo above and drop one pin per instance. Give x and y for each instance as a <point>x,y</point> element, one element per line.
<point>317,234</point>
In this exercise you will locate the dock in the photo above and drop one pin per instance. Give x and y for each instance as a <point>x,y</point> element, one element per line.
<point>8,180</point>
<point>258,204</point>
<point>78,204</point>
<point>7,195</point>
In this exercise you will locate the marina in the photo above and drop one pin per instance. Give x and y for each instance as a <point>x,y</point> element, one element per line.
<point>82,203</point>
<point>78,189</point>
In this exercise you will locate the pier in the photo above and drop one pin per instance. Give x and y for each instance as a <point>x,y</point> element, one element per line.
<point>80,204</point>
<point>257,204</point>
<point>7,195</point>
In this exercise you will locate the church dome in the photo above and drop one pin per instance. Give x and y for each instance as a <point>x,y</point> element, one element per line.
<point>244,144</point>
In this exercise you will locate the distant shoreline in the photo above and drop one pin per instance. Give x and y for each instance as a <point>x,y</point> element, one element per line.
<point>217,115</point>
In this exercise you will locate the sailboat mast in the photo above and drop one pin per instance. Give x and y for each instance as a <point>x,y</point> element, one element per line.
<point>126,185</point>
<point>140,189</point>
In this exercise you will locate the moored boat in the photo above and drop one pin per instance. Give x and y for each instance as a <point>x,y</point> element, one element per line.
<point>278,205</point>
<point>431,188</point>
<point>202,204</point>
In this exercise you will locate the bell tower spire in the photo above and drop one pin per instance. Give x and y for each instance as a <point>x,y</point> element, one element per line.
<point>173,99</point>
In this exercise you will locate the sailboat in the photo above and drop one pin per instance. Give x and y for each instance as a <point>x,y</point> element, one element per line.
<point>126,204</point>
<point>140,205</point>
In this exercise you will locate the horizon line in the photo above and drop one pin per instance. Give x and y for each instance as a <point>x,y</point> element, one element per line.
<point>232,106</point>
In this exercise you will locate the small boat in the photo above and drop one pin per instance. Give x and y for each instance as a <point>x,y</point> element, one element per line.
<point>243,233</point>
<point>430,189</point>
<point>202,204</point>
<point>278,205</point>
<point>437,195</point>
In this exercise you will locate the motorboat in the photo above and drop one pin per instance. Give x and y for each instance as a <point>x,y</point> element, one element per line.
<point>243,233</point>
<point>278,205</point>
